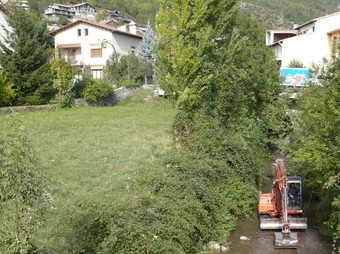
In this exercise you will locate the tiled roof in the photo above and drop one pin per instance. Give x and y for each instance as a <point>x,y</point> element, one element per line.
<point>92,23</point>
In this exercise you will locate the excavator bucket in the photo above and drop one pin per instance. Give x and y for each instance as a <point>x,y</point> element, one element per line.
<point>286,240</point>
<point>277,223</point>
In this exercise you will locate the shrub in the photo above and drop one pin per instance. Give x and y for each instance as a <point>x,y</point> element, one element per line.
<point>66,101</point>
<point>130,83</point>
<point>97,89</point>
<point>6,91</point>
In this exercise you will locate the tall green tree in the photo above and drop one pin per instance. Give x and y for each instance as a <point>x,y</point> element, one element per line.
<point>25,56</point>
<point>63,80</point>
<point>211,58</point>
<point>209,55</point>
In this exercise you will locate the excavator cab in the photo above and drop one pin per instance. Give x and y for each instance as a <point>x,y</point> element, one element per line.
<point>294,194</point>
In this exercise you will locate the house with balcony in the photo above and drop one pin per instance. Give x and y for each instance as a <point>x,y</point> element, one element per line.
<point>82,10</point>
<point>88,43</point>
<point>308,43</point>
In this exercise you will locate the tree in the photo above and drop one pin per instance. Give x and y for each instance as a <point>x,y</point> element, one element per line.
<point>315,147</point>
<point>145,47</point>
<point>145,51</point>
<point>209,55</point>
<point>63,80</point>
<point>125,72</point>
<point>296,63</point>
<point>23,196</point>
<point>24,57</point>
<point>211,58</point>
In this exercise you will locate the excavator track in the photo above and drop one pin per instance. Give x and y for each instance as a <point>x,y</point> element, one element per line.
<point>270,223</point>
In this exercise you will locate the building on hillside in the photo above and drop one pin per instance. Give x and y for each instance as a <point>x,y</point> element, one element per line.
<point>81,42</point>
<point>21,3</point>
<point>83,10</point>
<point>117,16</point>
<point>110,22</point>
<point>308,43</point>
<point>24,5</point>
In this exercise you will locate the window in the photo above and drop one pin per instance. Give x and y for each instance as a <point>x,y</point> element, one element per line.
<point>132,51</point>
<point>86,32</point>
<point>97,73</point>
<point>96,53</point>
<point>79,32</point>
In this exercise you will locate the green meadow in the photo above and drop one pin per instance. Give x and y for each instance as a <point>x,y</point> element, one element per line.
<point>92,155</point>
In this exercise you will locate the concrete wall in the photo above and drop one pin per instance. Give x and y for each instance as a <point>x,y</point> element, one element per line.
<point>311,47</point>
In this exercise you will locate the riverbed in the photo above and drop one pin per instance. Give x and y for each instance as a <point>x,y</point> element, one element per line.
<point>262,242</point>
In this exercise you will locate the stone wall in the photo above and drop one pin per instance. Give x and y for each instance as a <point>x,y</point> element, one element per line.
<point>8,110</point>
<point>119,94</point>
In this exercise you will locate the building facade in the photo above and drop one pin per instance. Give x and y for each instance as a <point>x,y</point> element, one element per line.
<point>308,43</point>
<point>88,43</point>
<point>82,10</point>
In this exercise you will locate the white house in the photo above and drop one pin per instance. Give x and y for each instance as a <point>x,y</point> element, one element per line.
<point>83,43</point>
<point>308,43</point>
<point>3,23</point>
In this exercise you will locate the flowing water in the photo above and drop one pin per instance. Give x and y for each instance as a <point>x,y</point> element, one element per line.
<point>262,242</point>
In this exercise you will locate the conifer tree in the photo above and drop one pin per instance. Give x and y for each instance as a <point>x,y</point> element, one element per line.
<point>25,56</point>
<point>145,47</point>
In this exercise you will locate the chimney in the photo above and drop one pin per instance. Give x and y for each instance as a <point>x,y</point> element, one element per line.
<point>132,27</point>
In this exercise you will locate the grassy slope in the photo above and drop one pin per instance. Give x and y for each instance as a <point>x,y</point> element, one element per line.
<point>93,154</point>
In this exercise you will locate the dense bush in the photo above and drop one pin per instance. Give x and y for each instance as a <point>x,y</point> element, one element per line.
<point>6,91</point>
<point>97,89</point>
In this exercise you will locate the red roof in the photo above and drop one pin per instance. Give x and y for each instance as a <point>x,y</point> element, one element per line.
<point>92,23</point>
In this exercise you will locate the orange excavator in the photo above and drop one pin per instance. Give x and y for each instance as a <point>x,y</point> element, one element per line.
<point>282,208</point>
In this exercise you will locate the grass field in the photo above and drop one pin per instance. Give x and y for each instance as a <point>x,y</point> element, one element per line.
<point>94,153</point>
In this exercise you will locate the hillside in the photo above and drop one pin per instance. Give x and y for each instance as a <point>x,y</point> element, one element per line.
<point>299,11</point>
<point>286,11</point>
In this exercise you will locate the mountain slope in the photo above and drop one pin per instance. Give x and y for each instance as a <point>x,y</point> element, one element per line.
<point>299,11</point>
<point>295,11</point>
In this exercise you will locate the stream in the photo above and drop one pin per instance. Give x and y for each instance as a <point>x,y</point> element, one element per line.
<point>262,242</point>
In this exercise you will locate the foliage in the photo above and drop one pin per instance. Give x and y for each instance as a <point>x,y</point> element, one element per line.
<point>96,90</point>
<point>315,148</point>
<point>145,47</point>
<point>295,63</point>
<point>6,91</point>
<point>63,21</point>
<point>24,57</point>
<point>128,70</point>
<point>212,59</point>
<point>22,192</point>
<point>101,15</point>
<point>226,54</point>
<point>63,80</point>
